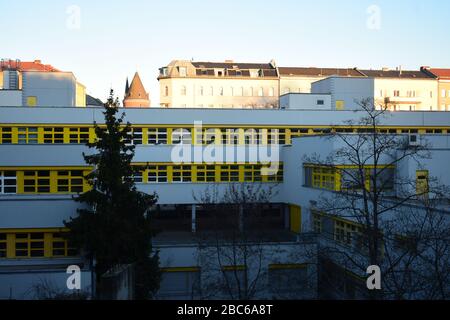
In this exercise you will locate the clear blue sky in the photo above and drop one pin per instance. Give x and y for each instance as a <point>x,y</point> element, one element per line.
<point>116,38</point>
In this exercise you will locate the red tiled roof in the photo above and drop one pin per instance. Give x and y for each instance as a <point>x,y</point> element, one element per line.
<point>440,73</point>
<point>35,65</point>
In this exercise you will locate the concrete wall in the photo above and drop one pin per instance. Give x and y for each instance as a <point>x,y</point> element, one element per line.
<point>348,90</point>
<point>10,98</point>
<point>298,101</point>
<point>50,88</point>
<point>232,118</point>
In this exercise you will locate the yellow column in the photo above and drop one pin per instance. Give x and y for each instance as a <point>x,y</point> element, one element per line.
<point>48,245</point>
<point>20,177</point>
<point>40,135</point>
<point>53,181</point>
<point>295,218</point>
<point>15,135</point>
<point>10,245</point>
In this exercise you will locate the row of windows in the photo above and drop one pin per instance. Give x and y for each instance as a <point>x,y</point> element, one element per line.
<point>187,135</point>
<point>231,91</point>
<point>283,280</point>
<point>67,181</point>
<point>42,181</point>
<point>34,244</point>
<point>164,173</point>
<point>46,135</point>
<point>347,178</point>
<point>342,231</point>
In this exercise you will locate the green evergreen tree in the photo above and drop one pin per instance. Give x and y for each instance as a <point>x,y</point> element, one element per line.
<point>113,227</point>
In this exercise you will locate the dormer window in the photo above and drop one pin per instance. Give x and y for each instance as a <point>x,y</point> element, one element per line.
<point>239,73</point>
<point>182,71</point>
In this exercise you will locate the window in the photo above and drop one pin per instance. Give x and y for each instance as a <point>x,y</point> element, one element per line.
<point>164,72</point>
<point>32,101</point>
<point>271,92</point>
<point>3,245</point>
<point>240,92</point>
<point>183,90</point>
<point>260,92</point>
<point>206,173</point>
<point>251,137</point>
<point>79,135</point>
<point>157,136</point>
<point>29,245</point>
<point>320,102</point>
<point>134,137</point>
<point>221,91</point>
<point>443,93</point>
<point>8,182</point>
<point>252,173</point>
<point>181,283</point>
<point>166,91</point>
<point>250,92</point>
<point>345,232</point>
<point>287,279</point>
<point>229,173</point>
<point>340,104</point>
<point>61,247</point>
<point>27,135</point>
<point>157,174</point>
<point>181,174</point>
<point>422,181</point>
<point>70,181</point>
<point>181,136</point>
<point>35,245</point>
<point>6,135</point>
<point>182,71</point>
<point>276,174</point>
<point>320,177</point>
<point>211,91</point>
<point>202,91</point>
<point>138,176</point>
<point>37,181</point>
<point>53,135</point>
<point>317,222</point>
<point>396,93</point>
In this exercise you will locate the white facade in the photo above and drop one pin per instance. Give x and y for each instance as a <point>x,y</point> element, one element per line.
<point>309,101</point>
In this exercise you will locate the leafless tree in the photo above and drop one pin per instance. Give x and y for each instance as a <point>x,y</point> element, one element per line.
<point>234,257</point>
<point>400,226</point>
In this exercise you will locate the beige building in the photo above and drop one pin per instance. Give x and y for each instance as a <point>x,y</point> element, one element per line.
<point>443,77</point>
<point>219,85</point>
<point>252,85</point>
<point>404,90</point>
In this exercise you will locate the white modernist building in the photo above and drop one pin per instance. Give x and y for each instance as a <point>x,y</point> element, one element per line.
<point>41,169</point>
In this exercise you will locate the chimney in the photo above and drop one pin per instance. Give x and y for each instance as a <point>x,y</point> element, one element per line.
<point>38,61</point>
<point>400,70</point>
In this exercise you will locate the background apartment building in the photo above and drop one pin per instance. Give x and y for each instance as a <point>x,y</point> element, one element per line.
<point>443,77</point>
<point>219,85</point>
<point>32,83</point>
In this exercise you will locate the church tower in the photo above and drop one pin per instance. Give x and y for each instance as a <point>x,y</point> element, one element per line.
<point>135,94</point>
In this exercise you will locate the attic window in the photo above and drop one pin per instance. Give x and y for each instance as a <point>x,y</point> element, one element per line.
<point>220,73</point>
<point>204,72</point>
<point>239,73</point>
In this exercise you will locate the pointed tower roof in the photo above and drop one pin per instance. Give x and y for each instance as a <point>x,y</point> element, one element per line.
<point>135,94</point>
<point>136,89</point>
